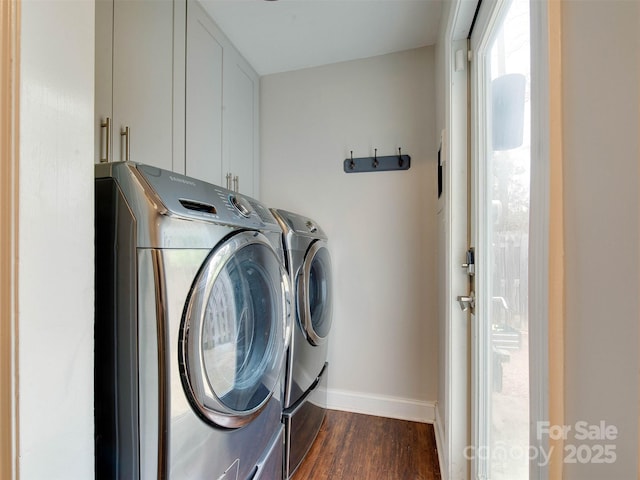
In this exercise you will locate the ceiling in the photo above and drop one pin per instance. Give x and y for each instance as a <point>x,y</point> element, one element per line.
<point>284,35</point>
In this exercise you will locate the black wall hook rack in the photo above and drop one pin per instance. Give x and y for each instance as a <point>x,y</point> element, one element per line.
<point>376,163</point>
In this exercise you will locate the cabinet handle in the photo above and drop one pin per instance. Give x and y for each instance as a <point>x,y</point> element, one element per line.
<point>106,124</point>
<point>236,184</point>
<point>126,133</point>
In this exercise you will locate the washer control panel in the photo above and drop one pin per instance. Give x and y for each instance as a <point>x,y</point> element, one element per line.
<point>241,205</point>
<point>195,199</point>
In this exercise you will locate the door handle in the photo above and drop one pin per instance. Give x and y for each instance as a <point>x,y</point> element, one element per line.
<point>467,302</point>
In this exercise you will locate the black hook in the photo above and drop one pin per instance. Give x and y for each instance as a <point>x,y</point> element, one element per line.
<point>375,158</point>
<point>352,164</point>
<point>400,160</point>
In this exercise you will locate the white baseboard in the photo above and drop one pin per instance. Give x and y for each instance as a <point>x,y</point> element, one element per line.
<point>381,405</point>
<point>440,445</point>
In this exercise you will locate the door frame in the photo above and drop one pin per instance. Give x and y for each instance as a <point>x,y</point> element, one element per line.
<point>456,424</point>
<point>540,239</point>
<point>489,15</point>
<point>453,410</point>
<point>9,144</point>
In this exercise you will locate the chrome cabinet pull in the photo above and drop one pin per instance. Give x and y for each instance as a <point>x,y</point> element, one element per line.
<point>106,125</point>
<point>126,133</point>
<point>233,182</point>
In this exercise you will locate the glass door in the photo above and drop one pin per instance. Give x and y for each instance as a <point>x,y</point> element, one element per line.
<point>500,232</point>
<point>234,331</point>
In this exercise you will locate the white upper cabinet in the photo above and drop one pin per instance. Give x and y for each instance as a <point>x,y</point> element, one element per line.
<point>221,107</point>
<point>203,97</point>
<point>103,80</point>
<point>240,124</point>
<point>190,101</point>
<point>136,38</point>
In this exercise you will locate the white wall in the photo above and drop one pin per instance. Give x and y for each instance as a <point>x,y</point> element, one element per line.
<point>56,241</point>
<point>381,226</point>
<point>600,102</point>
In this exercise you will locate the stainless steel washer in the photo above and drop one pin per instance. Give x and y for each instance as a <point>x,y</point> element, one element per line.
<point>309,266</point>
<point>191,329</point>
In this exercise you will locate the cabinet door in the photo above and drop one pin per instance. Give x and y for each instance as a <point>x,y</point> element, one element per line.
<point>104,72</point>
<point>143,80</point>
<point>240,121</point>
<point>203,96</point>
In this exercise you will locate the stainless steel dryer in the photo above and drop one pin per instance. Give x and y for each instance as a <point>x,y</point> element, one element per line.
<point>192,326</point>
<point>309,266</point>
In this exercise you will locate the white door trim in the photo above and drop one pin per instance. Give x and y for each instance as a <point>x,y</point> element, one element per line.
<point>452,414</point>
<point>539,234</point>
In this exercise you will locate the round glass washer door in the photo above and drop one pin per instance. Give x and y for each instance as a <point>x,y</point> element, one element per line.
<point>315,301</point>
<point>234,331</point>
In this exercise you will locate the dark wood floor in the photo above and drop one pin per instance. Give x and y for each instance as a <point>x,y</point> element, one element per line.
<point>353,446</point>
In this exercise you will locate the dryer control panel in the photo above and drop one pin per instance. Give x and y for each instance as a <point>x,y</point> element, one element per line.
<point>300,224</point>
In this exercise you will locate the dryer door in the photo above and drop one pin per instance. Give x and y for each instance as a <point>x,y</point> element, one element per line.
<point>234,331</point>
<point>314,293</point>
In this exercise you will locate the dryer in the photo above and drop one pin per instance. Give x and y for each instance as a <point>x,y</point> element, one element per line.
<point>309,266</point>
<point>191,329</point>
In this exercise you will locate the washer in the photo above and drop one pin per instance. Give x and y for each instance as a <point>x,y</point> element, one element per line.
<point>309,266</point>
<point>192,326</point>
